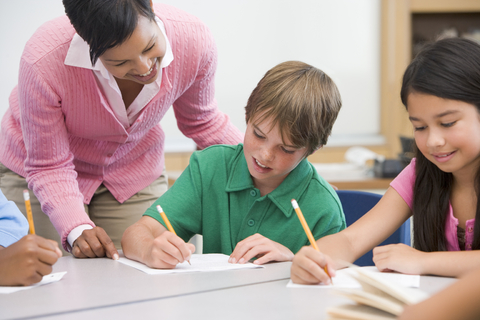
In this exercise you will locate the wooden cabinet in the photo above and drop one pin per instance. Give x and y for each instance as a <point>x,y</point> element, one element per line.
<point>405,25</point>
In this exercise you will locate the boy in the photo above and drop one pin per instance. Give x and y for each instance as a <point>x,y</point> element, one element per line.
<point>24,259</point>
<point>238,197</point>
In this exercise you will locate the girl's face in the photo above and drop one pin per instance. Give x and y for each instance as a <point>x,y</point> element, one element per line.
<point>269,159</point>
<point>447,132</point>
<point>138,58</point>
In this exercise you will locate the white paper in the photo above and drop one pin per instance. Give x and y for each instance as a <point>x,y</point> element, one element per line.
<point>53,277</point>
<point>199,263</point>
<point>343,279</point>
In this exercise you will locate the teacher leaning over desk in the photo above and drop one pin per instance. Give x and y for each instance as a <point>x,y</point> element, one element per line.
<point>83,126</point>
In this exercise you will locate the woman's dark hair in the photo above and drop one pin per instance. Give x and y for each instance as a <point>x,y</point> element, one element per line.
<point>448,69</point>
<point>104,24</point>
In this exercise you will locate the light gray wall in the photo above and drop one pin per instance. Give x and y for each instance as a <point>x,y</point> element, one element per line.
<point>340,37</point>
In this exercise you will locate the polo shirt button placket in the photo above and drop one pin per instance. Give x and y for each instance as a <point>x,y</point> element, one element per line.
<point>253,193</point>
<point>251,223</point>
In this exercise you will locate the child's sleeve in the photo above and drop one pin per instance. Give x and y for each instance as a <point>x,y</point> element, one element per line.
<point>330,218</point>
<point>182,202</point>
<point>13,225</point>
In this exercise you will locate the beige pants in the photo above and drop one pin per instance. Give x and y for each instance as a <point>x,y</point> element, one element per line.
<point>104,210</point>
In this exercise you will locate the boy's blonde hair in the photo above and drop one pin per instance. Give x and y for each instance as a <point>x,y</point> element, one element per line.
<point>301,99</point>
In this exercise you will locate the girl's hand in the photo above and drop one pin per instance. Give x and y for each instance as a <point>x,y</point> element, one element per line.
<point>308,267</point>
<point>167,250</point>
<point>398,257</point>
<point>261,247</point>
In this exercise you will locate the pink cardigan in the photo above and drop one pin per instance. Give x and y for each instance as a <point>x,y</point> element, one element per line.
<point>61,134</point>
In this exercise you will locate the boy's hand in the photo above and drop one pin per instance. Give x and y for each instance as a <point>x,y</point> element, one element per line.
<point>261,247</point>
<point>307,267</point>
<point>398,257</point>
<point>168,250</point>
<point>26,261</point>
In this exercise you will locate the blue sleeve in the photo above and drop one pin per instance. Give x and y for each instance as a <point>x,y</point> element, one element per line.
<point>13,224</point>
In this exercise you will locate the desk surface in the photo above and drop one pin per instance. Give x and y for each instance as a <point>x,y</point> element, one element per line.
<point>99,283</point>
<point>107,289</point>
<point>266,300</point>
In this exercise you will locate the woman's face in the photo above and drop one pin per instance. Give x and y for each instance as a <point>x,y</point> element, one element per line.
<point>138,58</point>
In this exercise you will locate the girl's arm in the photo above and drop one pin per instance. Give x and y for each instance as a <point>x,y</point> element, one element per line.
<point>345,247</point>
<point>401,258</point>
<point>459,301</point>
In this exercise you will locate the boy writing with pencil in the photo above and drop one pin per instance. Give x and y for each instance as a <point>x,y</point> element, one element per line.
<point>238,197</point>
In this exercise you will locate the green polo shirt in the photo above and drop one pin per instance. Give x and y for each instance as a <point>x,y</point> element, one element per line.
<point>215,197</point>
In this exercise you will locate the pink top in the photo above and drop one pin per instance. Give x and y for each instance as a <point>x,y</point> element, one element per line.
<point>404,184</point>
<point>61,134</point>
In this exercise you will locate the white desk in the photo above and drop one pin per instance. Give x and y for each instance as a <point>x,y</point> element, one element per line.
<point>105,289</point>
<point>91,284</point>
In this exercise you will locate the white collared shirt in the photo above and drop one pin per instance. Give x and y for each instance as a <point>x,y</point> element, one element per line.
<point>78,55</point>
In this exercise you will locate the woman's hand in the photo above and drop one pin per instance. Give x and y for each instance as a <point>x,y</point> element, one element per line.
<point>167,250</point>
<point>261,247</point>
<point>94,243</point>
<point>26,261</point>
<point>399,257</point>
<point>308,267</point>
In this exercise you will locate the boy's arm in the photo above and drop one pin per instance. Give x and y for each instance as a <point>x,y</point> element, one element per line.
<point>26,261</point>
<point>149,242</point>
<point>259,246</point>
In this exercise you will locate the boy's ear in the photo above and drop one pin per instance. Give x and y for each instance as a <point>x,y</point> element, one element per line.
<point>320,147</point>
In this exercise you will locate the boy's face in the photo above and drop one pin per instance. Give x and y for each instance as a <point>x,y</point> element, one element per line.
<point>269,159</point>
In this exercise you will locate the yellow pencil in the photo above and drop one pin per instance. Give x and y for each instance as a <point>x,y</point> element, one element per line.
<point>28,206</point>
<point>307,231</point>
<point>165,219</point>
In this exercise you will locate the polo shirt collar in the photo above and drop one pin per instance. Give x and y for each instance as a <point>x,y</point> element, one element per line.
<point>292,187</point>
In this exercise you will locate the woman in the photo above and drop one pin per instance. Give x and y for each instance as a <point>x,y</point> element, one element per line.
<point>83,127</point>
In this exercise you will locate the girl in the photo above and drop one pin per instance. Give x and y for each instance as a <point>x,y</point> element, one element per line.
<point>441,92</point>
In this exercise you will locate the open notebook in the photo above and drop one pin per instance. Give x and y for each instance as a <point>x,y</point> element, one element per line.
<point>378,298</point>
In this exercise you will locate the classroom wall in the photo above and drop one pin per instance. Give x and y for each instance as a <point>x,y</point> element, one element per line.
<point>341,37</point>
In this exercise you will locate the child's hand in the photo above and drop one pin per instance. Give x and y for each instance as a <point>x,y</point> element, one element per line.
<point>261,247</point>
<point>398,257</point>
<point>26,261</point>
<point>308,267</point>
<point>168,250</point>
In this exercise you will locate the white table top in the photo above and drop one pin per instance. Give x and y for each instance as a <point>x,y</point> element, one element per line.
<point>106,289</point>
<point>100,283</point>
<point>266,300</point>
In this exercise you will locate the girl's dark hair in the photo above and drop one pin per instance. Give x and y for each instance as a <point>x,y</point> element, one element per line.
<point>448,69</point>
<point>104,24</point>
